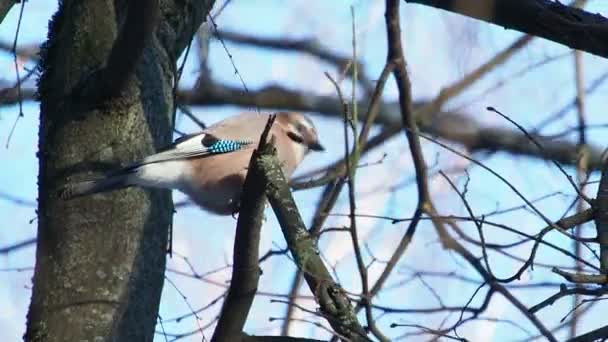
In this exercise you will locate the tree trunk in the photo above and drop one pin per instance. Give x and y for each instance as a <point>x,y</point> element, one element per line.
<point>100,259</point>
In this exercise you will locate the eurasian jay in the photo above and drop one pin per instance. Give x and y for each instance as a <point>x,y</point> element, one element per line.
<point>210,166</point>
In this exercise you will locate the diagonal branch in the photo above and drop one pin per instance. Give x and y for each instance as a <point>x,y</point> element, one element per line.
<point>334,305</point>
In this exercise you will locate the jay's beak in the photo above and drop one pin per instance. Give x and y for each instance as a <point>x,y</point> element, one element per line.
<point>316,146</point>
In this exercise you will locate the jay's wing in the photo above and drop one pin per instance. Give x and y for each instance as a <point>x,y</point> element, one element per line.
<point>195,146</point>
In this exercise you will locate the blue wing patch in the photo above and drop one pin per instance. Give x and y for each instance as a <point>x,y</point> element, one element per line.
<point>225,146</point>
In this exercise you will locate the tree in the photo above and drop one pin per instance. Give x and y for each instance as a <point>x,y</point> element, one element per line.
<point>107,97</point>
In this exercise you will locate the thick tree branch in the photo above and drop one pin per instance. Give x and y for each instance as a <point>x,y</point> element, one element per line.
<point>245,268</point>
<point>142,18</point>
<point>5,7</point>
<point>593,335</point>
<point>334,305</point>
<point>140,23</point>
<point>551,20</point>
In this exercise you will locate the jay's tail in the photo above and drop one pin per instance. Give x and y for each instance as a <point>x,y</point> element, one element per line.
<point>112,182</point>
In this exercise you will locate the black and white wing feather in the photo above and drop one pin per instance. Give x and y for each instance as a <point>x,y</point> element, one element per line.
<point>196,146</point>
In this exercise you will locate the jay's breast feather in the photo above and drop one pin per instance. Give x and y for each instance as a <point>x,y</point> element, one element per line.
<point>217,181</point>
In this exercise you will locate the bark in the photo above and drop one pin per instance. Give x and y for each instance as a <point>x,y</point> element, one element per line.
<point>100,259</point>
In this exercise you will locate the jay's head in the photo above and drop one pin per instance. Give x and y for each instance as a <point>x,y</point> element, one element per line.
<point>300,130</point>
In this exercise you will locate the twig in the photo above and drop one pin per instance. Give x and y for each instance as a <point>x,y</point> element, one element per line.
<point>192,311</point>
<point>540,147</point>
<point>450,243</point>
<point>16,64</point>
<point>581,174</point>
<point>565,291</point>
<point>395,55</point>
<point>236,70</point>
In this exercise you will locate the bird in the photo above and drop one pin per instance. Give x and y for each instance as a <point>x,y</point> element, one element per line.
<point>210,166</point>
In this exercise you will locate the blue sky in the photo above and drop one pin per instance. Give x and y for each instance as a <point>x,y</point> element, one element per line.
<point>440,48</point>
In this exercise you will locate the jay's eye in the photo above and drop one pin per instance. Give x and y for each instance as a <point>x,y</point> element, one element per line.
<point>295,137</point>
<point>300,128</point>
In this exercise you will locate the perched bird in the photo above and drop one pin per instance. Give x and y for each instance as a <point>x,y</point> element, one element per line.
<point>210,166</point>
